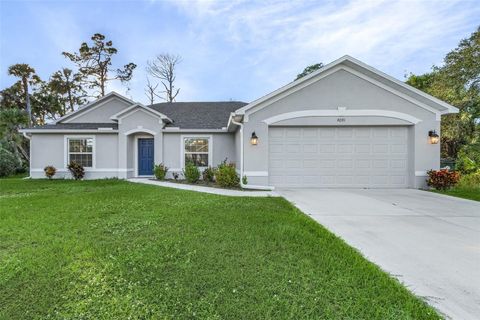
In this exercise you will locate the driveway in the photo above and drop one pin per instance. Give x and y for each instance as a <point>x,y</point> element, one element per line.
<point>430,242</point>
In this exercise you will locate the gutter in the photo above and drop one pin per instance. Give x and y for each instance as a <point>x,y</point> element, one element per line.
<point>246,186</point>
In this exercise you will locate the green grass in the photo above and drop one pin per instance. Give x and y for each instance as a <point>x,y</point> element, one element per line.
<point>116,250</point>
<point>466,193</point>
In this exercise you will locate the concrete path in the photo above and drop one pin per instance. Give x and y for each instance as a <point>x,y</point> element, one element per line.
<point>223,192</point>
<point>430,242</point>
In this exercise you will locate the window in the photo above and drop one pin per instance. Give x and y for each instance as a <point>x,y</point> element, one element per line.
<point>196,151</point>
<point>80,150</point>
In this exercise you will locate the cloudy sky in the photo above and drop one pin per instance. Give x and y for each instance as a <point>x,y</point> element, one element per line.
<point>236,50</point>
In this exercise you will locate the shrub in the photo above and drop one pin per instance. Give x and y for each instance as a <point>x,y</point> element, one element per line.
<point>77,170</point>
<point>50,171</point>
<point>8,162</point>
<point>208,174</point>
<point>244,179</point>
<point>160,171</point>
<point>442,179</point>
<point>191,173</point>
<point>468,160</point>
<point>470,181</point>
<point>226,175</point>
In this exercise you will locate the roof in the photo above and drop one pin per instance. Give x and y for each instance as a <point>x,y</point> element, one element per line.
<point>198,115</point>
<point>353,65</point>
<point>75,126</point>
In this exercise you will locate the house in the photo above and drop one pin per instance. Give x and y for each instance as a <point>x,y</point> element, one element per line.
<point>345,125</point>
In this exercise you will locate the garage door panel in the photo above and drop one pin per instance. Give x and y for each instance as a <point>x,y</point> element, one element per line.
<point>338,156</point>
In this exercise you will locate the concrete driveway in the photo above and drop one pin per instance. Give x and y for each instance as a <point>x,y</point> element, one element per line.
<point>430,242</point>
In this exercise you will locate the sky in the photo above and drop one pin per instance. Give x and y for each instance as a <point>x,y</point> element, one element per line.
<point>235,50</point>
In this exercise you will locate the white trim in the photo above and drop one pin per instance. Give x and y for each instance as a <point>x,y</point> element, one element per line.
<point>62,131</point>
<point>66,149</point>
<point>140,129</point>
<point>130,110</point>
<point>87,107</point>
<point>182,148</point>
<point>341,113</point>
<point>420,173</point>
<point>331,68</point>
<point>255,174</point>
<point>176,129</point>
<point>135,153</point>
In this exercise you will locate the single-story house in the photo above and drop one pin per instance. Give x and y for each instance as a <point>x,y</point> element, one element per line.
<point>345,125</point>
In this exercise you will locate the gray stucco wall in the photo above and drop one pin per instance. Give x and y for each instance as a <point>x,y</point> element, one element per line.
<point>50,149</point>
<point>345,90</point>
<point>100,113</point>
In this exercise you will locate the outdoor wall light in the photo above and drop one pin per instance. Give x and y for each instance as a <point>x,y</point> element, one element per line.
<point>433,137</point>
<point>254,139</point>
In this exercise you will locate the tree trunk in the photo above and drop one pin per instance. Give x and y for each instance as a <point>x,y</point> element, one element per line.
<point>27,100</point>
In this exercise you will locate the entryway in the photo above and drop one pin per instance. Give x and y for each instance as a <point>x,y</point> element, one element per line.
<point>145,156</point>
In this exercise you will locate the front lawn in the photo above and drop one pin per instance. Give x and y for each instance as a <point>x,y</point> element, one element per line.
<point>466,193</point>
<point>116,250</point>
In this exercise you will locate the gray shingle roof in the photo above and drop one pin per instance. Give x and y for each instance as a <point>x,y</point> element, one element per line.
<point>198,115</point>
<point>76,126</point>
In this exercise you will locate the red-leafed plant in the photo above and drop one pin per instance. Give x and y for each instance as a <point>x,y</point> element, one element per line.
<point>50,171</point>
<point>442,179</point>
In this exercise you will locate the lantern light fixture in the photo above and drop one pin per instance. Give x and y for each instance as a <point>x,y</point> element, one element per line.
<point>254,139</point>
<point>433,137</point>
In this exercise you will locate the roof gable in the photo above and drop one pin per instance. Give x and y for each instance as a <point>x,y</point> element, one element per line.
<point>361,70</point>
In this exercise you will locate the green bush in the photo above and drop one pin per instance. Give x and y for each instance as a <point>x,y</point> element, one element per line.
<point>160,171</point>
<point>226,175</point>
<point>470,181</point>
<point>77,170</point>
<point>8,163</point>
<point>191,173</point>
<point>209,174</point>
<point>468,160</point>
<point>50,171</point>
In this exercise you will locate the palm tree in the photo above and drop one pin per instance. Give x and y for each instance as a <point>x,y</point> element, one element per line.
<point>26,75</point>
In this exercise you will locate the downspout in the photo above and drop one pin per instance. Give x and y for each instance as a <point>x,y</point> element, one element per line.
<point>241,149</point>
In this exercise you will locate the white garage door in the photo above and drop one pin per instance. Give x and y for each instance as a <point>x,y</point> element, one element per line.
<point>336,157</point>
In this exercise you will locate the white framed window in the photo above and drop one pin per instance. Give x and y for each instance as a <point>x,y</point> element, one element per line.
<point>81,150</point>
<point>197,150</point>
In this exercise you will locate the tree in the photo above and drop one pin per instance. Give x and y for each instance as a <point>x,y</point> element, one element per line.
<point>67,85</point>
<point>309,69</point>
<point>163,67</point>
<point>151,91</point>
<point>11,120</point>
<point>95,64</point>
<point>458,83</point>
<point>26,75</point>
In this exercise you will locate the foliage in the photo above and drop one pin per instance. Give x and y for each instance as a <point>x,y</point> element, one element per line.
<point>175,175</point>
<point>94,63</point>
<point>163,67</point>
<point>68,86</point>
<point>458,83</point>
<point>244,180</point>
<point>469,158</point>
<point>77,170</point>
<point>160,171</point>
<point>8,163</point>
<point>27,76</point>
<point>11,120</point>
<point>226,175</point>
<point>208,174</point>
<point>109,249</point>
<point>309,69</point>
<point>442,179</point>
<point>470,181</point>
<point>191,173</point>
<point>50,171</point>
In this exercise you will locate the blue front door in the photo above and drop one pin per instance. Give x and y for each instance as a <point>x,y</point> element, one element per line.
<point>145,157</point>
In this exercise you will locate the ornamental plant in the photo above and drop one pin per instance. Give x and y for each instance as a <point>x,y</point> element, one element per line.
<point>160,171</point>
<point>209,174</point>
<point>227,176</point>
<point>50,171</point>
<point>442,179</point>
<point>77,170</point>
<point>191,173</point>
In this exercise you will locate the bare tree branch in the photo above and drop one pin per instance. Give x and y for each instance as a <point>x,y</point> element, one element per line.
<point>163,68</point>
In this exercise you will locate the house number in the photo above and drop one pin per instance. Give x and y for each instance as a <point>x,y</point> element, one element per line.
<point>341,119</point>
